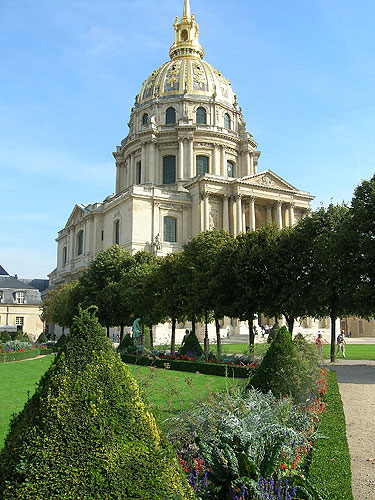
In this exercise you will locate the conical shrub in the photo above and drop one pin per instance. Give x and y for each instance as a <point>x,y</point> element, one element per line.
<point>87,434</point>
<point>282,371</point>
<point>125,343</point>
<point>42,339</point>
<point>61,341</point>
<point>191,346</point>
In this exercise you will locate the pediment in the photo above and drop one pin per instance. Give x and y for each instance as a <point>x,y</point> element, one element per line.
<point>78,212</point>
<point>268,179</point>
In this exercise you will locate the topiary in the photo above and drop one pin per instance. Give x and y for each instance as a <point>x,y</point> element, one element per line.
<point>191,346</point>
<point>42,339</point>
<point>86,432</point>
<point>282,370</point>
<point>272,333</point>
<point>61,341</point>
<point>125,343</point>
<point>5,336</point>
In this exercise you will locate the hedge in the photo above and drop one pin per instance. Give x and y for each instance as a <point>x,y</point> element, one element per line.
<point>329,470</point>
<point>8,357</point>
<point>221,370</point>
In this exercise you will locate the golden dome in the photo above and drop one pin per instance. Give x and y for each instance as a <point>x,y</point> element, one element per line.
<point>186,72</point>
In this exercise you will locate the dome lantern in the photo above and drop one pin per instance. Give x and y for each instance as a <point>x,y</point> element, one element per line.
<point>186,36</point>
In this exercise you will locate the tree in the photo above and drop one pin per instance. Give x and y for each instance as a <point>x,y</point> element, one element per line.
<point>325,276</point>
<point>86,432</point>
<point>61,305</point>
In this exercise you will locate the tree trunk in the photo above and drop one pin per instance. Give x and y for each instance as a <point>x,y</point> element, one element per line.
<point>173,336</point>
<point>333,336</point>
<point>251,335</point>
<point>218,338</point>
<point>143,334</point>
<point>108,334</point>
<point>290,323</point>
<point>121,333</point>
<point>151,338</point>
<point>206,341</point>
<point>193,325</point>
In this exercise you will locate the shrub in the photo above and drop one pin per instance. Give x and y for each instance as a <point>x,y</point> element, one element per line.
<point>191,346</point>
<point>60,342</point>
<point>42,339</point>
<point>86,432</point>
<point>5,336</point>
<point>125,343</point>
<point>18,356</point>
<point>1,347</point>
<point>284,371</point>
<point>272,333</point>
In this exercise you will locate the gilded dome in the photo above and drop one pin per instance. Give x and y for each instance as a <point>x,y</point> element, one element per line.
<point>186,75</point>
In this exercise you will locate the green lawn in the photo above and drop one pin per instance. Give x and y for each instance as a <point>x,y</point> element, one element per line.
<point>259,349</point>
<point>353,351</point>
<point>166,391</point>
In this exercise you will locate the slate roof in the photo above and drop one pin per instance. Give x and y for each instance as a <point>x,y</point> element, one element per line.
<point>3,272</point>
<point>40,284</point>
<point>15,284</point>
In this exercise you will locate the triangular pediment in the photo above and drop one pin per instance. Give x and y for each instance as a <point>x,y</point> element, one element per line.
<point>78,212</point>
<point>269,179</point>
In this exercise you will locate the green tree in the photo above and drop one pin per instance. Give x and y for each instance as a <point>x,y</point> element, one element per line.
<point>61,305</point>
<point>86,432</point>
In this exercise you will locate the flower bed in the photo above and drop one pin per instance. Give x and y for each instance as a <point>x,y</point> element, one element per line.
<point>191,364</point>
<point>9,356</point>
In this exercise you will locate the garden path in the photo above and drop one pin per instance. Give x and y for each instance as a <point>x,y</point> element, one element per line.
<point>357,387</point>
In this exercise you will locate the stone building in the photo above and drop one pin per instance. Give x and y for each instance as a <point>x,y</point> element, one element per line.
<point>20,305</point>
<point>187,165</point>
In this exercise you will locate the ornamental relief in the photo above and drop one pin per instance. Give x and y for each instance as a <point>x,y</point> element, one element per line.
<point>266,181</point>
<point>173,75</point>
<point>204,145</point>
<point>168,206</point>
<point>214,218</point>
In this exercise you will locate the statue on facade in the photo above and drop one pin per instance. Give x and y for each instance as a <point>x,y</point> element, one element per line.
<point>157,243</point>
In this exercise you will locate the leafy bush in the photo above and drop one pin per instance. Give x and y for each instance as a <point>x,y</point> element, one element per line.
<point>42,339</point>
<point>5,336</point>
<point>125,343</point>
<point>60,342</point>
<point>237,439</point>
<point>17,345</point>
<point>19,356</point>
<point>272,333</point>
<point>191,346</point>
<point>330,459</point>
<point>284,370</point>
<point>86,432</point>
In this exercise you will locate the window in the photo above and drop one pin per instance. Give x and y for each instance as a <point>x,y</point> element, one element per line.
<point>102,235</point>
<point>169,170</point>
<point>19,320</point>
<point>184,35</point>
<point>80,243</point>
<point>145,119</point>
<point>170,224</point>
<point>201,115</point>
<point>170,116</point>
<point>138,173</point>
<point>202,165</point>
<point>360,327</point>
<point>230,169</point>
<point>65,255</point>
<point>20,297</point>
<point>1,296</point>
<point>227,121</point>
<point>117,232</point>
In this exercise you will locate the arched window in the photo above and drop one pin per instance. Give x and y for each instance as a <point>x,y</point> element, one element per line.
<point>230,169</point>
<point>202,165</point>
<point>65,255</point>
<point>227,121</point>
<point>138,173</point>
<point>201,115</point>
<point>170,226</point>
<point>80,243</point>
<point>116,232</point>
<point>169,170</point>
<point>145,119</point>
<point>170,116</point>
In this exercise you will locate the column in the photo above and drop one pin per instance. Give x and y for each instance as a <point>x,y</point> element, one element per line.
<point>118,175</point>
<point>226,213</point>
<point>180,174</point>
<point>132,169</point>
<point>252,213</point>
<point>222,162</point>
<point>206,211</point>
<point>217,160</point>
<point>238,214</point>
<point>244,219</point>
<point>191,159</point>
<point>269,213</point>
<point>127,172</point>
<point>279,215</point>
<point>143,162</point>
<point>252,172</point>
<point>248,163</point>
<point>291,214</point>
<point>151,162</point>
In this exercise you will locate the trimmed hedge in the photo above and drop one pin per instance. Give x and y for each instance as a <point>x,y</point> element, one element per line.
<point>8,357</point>
<point>329,470</point>
<point>217,369</point>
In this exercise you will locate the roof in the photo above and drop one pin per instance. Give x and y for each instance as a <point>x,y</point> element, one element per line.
<point>15,284</point>
<point>40,284</point>
<point>3,272</point>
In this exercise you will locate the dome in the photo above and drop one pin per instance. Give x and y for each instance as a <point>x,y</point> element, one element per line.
<point>186,75</point>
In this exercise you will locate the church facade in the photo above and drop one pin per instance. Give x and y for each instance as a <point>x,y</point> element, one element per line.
<point>187,165</point>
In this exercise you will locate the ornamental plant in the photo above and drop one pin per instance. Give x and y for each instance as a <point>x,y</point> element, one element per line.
<point>42,339</point>
<point>61,341</point>
<point>191,347</point>
<point>87,434</point>
<point>125,343</point>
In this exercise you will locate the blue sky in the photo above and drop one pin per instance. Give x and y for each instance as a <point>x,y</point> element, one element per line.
<point>304,74</point>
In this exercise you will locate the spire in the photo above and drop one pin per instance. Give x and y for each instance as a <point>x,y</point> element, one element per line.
<point>186,36</point>
<point>186,12</point>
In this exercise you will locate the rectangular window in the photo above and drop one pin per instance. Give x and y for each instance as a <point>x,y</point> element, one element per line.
<point>102,235</point>
<point>202,165</point>
<point>80,243</point>
<point>169,170</point>
<point>19,320</point>
<point>170,224</point>
<point>20,297</point>
<point>117,232</point>
<point>139,173</point>
<point>65,255</point>
<point>1,296</point>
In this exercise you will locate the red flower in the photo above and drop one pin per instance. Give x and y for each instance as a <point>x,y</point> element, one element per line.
<point>283,466</point>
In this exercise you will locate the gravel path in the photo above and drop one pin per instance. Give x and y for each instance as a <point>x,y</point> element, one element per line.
<point>357,387</point>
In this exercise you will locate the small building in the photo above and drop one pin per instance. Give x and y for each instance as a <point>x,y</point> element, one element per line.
<point>20,304</point>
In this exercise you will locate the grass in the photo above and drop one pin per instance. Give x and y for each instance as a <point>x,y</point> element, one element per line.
<point>353,351</point>
<point>329,469</point>
<point>166,391</point>
<point>259,349</point>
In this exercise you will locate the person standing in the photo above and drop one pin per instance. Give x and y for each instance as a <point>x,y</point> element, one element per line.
<point>319,343</point>
<point>341,343</point>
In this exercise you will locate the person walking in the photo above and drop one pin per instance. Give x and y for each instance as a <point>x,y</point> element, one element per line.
<point>341,344</point>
